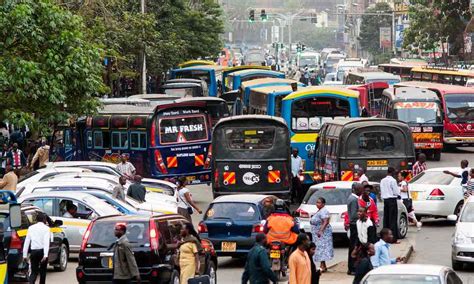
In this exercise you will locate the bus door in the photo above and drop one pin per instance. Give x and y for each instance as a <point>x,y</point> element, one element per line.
<point>63,145</point>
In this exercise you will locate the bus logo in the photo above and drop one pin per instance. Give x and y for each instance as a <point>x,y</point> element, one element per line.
<point>250,178</point>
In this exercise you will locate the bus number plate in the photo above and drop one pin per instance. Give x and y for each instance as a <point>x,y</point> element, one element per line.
<point>377,163</point>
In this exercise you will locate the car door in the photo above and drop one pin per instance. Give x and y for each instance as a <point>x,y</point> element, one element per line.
<point>56,237</point>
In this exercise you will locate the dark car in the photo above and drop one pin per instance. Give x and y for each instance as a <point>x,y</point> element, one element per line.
<point>154,241</point>
<point>232,221</point>
<point>14,239</point>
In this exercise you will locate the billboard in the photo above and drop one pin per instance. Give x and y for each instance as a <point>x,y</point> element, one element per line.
<point>385,37</point>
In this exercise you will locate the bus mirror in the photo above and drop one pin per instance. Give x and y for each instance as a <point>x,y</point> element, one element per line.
<point>15,215</point>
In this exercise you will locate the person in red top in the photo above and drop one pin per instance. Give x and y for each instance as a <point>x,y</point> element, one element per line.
<point>367,202</point>
<point>420,165</point>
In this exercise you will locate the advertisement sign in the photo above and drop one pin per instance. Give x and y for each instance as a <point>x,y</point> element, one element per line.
<point>385,37</point>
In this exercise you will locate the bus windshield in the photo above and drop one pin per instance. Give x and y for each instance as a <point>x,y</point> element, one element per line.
<point>417,112</point>
<point>195,74</point>
<point>310,114</point>
<point>183,92</point>
<point>460,107</point>
<point>308,61</point>
<point>176,130</point>
<point>250,138</point>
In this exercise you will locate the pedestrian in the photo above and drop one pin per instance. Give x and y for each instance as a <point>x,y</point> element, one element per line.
<point>37,242</point>
<point>407,201</point>
<point>296,171</point>
<point>119,189</point>
<point>3,159</point>
<point>258,269</point>
<point>382,250</point>
<point>420,165</point>
<point>299,263</point>
<point>9,180</point>
<point>185,200</point>
<point>362,176</point>
<point>16,159</point>
<point>363,264</point>
<point>315,272</point>
<point>125,167</point>
<point>469,185</point>
<point>390,193</point>
<point>124,264</point>
<point>41,155</point>
<point>137,190</point>
<point>352,209</point>
<point>366,231</point>
<point>322,234</point>
<point>188,253</point>
<point>463,172</point>
<point>368,202</point>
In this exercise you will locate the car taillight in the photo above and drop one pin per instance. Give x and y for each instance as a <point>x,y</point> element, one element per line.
<point>159,162</point>
<point>80,275</point>
<point>207,163</point>
<point>302,213</point>
<point>86,236</point>
<point>436,194</point>
<point>202,228</point>
<point>275,247</point>
<point>207,246</point>
<point>403,164</point>
<point>216,178</point>
<point>154,239</point>
<point>15,242</point>
<point>327,187</point>
<point>258,228</point>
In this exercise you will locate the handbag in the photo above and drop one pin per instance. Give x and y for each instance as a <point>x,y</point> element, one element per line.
<point>408,202</point>
<point>189,208</point>
<point>204,279</point>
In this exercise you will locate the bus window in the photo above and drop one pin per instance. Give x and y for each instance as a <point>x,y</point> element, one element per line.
<point>195,74</point>
<point>309,114</point>
<point>182,129</point>
<point>426,77</point>
<point>89,139</point>
<point>119,140</point>
<point>416,76</point>
<point>250,139</point>
<point>101,140</point>
<point>278,103</point>
<point>447,79</point>
<point>376,142</point>
<point>458,80</point>
<point>138,140</point>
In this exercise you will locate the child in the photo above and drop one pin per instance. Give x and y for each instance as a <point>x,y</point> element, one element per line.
<point>366,231</point>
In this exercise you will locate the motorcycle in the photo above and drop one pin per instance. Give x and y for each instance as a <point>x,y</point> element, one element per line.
<point>279,258</point>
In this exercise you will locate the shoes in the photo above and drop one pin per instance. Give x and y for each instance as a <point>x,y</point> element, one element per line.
<point>418,225</point>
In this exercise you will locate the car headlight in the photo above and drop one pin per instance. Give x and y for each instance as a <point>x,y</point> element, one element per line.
<point>460,238</point>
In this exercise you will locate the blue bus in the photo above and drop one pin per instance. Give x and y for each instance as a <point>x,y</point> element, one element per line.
<point>211,74</point>
<point>235,79</point>
<point>247,86</point>
<point>267,100</point>
<point>306,110</point>
<point>229,70</point>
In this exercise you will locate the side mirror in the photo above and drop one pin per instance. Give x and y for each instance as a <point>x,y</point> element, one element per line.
<point>15,216</point>
<point>58,223</point>
<point>453,218</point>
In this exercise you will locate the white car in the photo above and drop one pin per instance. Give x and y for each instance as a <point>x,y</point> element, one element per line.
<point>463,238</point>
<point>412,273</point>
<point>45,174</point>
<point>336,194</point>
<point>436,194</point>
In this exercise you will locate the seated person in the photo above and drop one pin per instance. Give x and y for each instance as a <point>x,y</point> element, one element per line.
<point>71,211</point>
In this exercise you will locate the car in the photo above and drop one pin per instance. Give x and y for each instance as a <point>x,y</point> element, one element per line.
<point>336,194</point>
<point>436,194</point>
<point>54,204</point>
<point>462,245</point>
<point>412,273</point>
<point>232,221</point>
<point>14,239</point>
<point>124,207</point>
<point>45,174</point>
<point>154,242</point>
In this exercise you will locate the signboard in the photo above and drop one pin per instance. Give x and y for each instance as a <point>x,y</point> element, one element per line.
<point>399,36</point>
<point>401,6</point>
<point>275,34</point>
<point>385,37</point>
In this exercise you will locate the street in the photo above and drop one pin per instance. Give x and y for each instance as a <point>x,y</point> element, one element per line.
<point>431,244</point>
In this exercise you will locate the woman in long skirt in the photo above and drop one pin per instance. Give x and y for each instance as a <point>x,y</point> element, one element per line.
<point>322,234</point>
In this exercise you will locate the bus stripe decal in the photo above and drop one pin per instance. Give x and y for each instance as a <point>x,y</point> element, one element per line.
<point>172,162</point>
<point>229,178</point>
<point>274,177</point>
<point>198,160</point>
<point>347,176</point>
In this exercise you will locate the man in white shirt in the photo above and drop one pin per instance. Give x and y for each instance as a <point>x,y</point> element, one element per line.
<point>38,238</point>
<point>126,168</point>
<point>390,191</point>
<point>362,176</point>
<point>296,169</point>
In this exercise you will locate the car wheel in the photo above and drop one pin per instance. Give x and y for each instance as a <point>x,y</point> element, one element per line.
<point>402,226</point>
<point>457,265</point>
<point>212,272</point>
<point>457,209</point>
<point>174,277</point>
<point>62,258</point>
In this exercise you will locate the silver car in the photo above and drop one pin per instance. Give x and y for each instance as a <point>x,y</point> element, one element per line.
<point>463,238</point>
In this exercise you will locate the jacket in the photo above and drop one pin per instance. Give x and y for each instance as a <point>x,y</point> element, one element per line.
<point>258,269</point>
<point>42,155</point>
<point>281,227</point>
<point>352,208</point>
<point>125,265</point>
<point>16,158</point>
<point>372,211</point>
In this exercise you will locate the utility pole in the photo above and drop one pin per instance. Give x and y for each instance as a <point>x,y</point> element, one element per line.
<point>143,56</point>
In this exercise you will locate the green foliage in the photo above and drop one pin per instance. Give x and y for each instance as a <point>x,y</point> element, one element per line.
<point>370,28</point>
<point>317,38</point>
<point>48,70</point>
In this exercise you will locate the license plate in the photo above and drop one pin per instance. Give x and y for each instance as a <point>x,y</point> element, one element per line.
<point>111,263</point>
<point>229,246</point>
<point>377,163</point>
<point>274,254</point>
<point>414,195</point>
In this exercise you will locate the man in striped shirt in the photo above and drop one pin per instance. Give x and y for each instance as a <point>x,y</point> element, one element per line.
<point>420,165</point>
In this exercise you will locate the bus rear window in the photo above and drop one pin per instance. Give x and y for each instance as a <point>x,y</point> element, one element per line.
<point>310,114</point>
<point>194,74</point>
<point>175,130</point>
<point>250,138</point>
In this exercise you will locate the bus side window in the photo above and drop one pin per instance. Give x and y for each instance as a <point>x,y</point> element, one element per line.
<point>101,140</point>
<point>138,141</point>
<point>89,139</point>
<point>119,140</point>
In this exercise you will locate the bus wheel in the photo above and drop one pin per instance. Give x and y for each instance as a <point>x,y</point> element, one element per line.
<point>437,155</point>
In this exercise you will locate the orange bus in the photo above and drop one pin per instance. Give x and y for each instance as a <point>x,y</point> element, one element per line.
<point>450,76</point>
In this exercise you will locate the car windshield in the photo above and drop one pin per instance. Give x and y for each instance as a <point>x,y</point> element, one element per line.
<point>402,278</point>
<point>468,213</point>
<point>309,114</point>
<point>102,234</point>
<point>418,112</point>
<point>432,177</point>
<point>177,130</point>
<point>235,211</point>
<point>182,92</point>
<point>460,107</point>
<point>333,196</point>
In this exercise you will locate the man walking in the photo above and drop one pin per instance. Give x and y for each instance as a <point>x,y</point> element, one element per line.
<point>125,265</point>
<point>296,170</point>
<point>382,250</point>
<point>3,159</point>
<point>390,191</point>
<point>9,180</point>
<point>136,190</point>
<point>299,262</point>
<point>352,209</point>
<point>119,189</point>
<point>258,269</point>
<point>41,155</point>
<point>37,239</point>
<point>420,165</point>
<point>17,159</point>
<point>125,167</point>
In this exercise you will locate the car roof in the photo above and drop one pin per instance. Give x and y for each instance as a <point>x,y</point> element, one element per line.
<point>440,169</point>
<point>248,198</point>
<point>72,182</point>
<point>79,163</point>
<point>63,170</point>
<point>127,218</point>
<point>410,269</point>
<point>342,184</point>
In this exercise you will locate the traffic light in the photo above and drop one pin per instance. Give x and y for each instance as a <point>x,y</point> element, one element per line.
<point>263,15</point>
<point>252,16</point>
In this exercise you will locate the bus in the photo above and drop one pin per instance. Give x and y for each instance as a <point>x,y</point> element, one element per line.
<point>192,63</point>
<point>369,96</point>
<point>306,110</point>
<point>235,79</point>
<point>227,71</point>
<point>402,68</point>
<point>458,111</point>
<point>211,74</point>
<point>440,75</point>
<point>267,100</point>
<point>369,75</point>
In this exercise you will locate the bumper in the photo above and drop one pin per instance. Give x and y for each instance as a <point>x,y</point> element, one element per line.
<point>428,146</point>
<point>437,208</point>
<point>459,140</point>
<point>105,275</point>
<point>463,253</point>
<point>337,227</point>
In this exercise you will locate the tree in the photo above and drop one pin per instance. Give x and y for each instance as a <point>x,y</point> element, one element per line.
<point>48,70</point>
<point>370,28</point>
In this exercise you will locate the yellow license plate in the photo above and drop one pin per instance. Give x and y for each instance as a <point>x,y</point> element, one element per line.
<point>414,195</point>
<point>274,254</point>
<point>229,246</point>
<point>377,163</point>
<point>111,263</point>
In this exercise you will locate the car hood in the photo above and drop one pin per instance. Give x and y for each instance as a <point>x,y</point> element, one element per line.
<point>158,206</point>
<point>466,228</point>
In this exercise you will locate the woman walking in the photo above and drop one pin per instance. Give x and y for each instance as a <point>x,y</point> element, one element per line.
<point>188,253</point>
<point>185,200</point>
<point>315,273</point>
<point>322,234</point>
<point>407,201</point>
